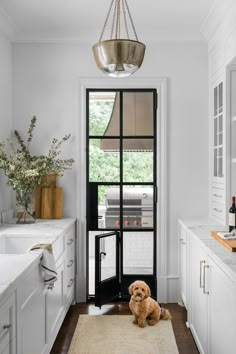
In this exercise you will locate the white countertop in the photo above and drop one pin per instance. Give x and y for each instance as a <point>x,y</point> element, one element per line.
<point>13,266</point>
<point>202,229</point>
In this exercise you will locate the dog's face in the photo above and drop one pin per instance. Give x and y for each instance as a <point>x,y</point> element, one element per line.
<point>139,290</point>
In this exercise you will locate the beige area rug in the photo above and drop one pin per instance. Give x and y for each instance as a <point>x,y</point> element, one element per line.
<point>116,334</point>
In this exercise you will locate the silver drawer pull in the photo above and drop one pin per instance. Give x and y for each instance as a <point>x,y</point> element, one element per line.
<point>218,210</point>
<point>204,279</point>
<point>217,195</point>
<point>201,262</point>
<point>182,241</point>
<point>70,264</point>
<point>71,283</point>
<point>70,241</point>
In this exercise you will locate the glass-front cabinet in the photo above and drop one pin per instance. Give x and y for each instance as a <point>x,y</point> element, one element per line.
<point>218,151</point>
<point>218,168</point>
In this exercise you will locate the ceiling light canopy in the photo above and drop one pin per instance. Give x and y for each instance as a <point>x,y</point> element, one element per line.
<point>119,56</point>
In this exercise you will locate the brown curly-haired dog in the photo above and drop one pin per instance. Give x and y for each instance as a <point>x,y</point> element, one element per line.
<point>144,307</point>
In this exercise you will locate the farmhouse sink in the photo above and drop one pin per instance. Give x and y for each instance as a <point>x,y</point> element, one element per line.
<point>17,244</point>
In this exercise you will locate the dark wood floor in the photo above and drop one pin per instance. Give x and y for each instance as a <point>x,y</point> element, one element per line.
<point>183,335</point>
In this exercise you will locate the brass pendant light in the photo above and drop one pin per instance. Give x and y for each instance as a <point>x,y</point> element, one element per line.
<point>119,56</point>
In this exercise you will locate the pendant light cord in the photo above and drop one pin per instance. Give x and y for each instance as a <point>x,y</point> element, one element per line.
<point>116,19</point>
<point>131,20</point>
<point>105,24</point>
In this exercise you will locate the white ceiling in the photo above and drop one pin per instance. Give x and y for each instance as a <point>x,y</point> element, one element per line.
<point>83,19</point>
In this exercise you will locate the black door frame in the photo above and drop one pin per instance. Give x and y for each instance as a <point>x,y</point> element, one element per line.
<point>126,279</point>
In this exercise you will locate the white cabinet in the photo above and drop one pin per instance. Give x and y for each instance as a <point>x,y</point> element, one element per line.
<point>199,293</point>
<point>31,317</point>
<point>211,297</point>
<point>31,336</point>
<point>222,311</point>
<point>8,326</point>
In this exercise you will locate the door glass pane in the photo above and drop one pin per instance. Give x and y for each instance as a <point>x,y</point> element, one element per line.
<point>138,160</point>
<point>104,166</point>
<point>137,207</point>
<point>215,132</point>
<point>220,123</point>
<point>109,206</point>
<point>138,113</point>
<point>104,113</point>
<point>215,162</point>
<point>138,252</point>
<point>220,138</point>
<point>221,97</point>
<point>108,260</point>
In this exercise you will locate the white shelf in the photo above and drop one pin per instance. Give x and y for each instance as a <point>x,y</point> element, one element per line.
<point>234,119</point>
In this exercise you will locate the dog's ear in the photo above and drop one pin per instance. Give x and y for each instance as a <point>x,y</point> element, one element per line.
<point>147,291</point>
<point>131,288</point>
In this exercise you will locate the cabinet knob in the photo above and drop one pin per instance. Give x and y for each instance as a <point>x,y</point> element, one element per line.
<point>70,264</point>
<point>217,210</point>
<point>7,326</point>
<point>71,283</point>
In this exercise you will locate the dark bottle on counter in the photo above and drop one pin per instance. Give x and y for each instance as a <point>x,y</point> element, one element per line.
<point>232,215</point>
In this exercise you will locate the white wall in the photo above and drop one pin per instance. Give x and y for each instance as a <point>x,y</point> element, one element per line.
<point>45,84</point>
<point>5,111</point>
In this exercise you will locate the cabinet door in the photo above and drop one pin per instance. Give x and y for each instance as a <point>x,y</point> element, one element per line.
<point>199,299</point>
<point>183,237</point>
<point>31,336</point>
<point>8,325</point>
<point>32,328</point>
<point>55,304</point>
<point>222,311</point>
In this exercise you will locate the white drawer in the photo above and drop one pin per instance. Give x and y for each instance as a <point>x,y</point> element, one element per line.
<point>218,210</point>
<point>8,321</point>
<point>58,248</point>
<point>218,185</point>
<point>217,195</point>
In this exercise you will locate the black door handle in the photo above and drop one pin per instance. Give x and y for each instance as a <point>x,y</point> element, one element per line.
<point>102,253</point>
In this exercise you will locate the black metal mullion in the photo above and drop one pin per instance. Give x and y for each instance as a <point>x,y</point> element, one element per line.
<point>87,188</point>
<point>148,137</point>
<point>121,185</point>
<point>154,181</point>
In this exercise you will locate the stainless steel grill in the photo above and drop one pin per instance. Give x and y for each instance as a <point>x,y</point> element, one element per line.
<point>137,208</point>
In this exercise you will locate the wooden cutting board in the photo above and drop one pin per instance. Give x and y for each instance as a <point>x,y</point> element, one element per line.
<point>229,244</point>
<point>51,203</point>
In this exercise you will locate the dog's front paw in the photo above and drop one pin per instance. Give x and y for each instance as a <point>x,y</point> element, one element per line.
<point>135,321</point>
<point>141,324</point>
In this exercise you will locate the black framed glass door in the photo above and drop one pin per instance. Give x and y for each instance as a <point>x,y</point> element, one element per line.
<point>122,183</point>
